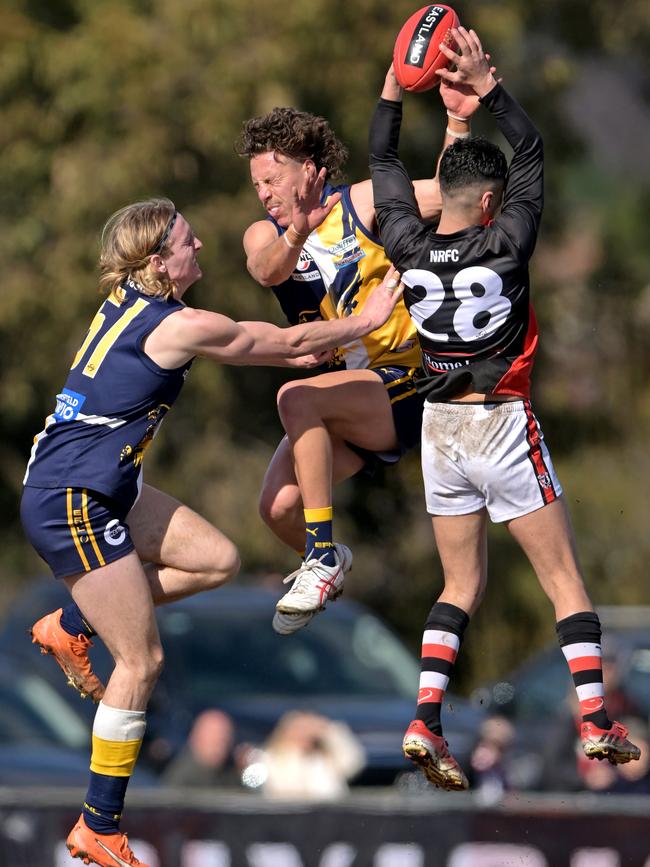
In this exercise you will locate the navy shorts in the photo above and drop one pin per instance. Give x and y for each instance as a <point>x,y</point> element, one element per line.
<point>407,406</point>
<point>73,529</point>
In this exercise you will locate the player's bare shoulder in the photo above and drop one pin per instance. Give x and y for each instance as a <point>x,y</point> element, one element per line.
<point>259,234</point>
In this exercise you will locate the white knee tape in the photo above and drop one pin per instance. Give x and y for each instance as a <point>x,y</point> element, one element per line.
<point>113,724</point>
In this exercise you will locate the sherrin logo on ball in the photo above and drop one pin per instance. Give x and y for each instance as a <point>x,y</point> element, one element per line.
<point>417,54</point>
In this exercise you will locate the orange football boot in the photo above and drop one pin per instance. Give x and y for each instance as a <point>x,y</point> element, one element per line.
<point>70,651</point>
<point>107,850</point>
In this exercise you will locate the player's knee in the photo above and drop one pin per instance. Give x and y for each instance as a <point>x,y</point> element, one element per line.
<point>275,507</point>
<point>156,663</point>
<point>293,402</point>
<point>225,564</point>
<point>565,588</point>
<point>465,592</point>
<point>229,563</point>
<point>143,667</point>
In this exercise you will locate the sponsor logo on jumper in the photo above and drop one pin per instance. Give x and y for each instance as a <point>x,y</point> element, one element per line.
<point>305,276</point>
<point>68,404</point>
<point>349,258</point>
<point>343,246</point>
<point>304,261</point>
<point>114,534</point>
<point>437,366</point>
<point>438,256</point>
<point>345,252</point>
<point>422,35</point>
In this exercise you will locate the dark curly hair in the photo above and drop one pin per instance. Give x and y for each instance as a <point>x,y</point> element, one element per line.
<point>295,134</point>
<point>471,161</point>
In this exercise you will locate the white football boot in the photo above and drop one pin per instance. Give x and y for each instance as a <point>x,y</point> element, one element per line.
<point>314,584</point>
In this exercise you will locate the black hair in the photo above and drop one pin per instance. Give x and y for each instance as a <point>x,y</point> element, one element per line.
<point>472,161</point>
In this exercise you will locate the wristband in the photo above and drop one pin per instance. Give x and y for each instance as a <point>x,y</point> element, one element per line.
<point>294,239</point>
<point>457,117</point>
<point>455,134</point>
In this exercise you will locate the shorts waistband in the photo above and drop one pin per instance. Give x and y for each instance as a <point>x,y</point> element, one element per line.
<point>499,407</point>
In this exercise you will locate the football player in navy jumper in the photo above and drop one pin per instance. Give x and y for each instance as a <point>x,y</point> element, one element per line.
<point>483,454</point>
<point>122,547</point>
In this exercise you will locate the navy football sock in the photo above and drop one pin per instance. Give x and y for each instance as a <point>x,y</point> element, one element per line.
<point>72,620</point>
<point>319,544</point>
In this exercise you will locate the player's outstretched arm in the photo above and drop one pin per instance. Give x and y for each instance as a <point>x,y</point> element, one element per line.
<point>189,333</point>
<point>275,346</point>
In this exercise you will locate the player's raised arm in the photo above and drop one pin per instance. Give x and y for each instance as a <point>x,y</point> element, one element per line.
<point>523,197</point>
<point>396,206</point>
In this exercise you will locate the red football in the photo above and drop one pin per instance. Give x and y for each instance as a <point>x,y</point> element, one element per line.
<point>417,54</point>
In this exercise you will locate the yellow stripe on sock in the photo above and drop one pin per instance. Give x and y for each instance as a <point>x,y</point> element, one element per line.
<point>313,515</point>
<point>114,758</point>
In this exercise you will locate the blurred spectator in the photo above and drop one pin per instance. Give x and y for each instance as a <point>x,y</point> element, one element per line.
<point>310,757</point>
<point>207,759</point>
<point>488,760</point>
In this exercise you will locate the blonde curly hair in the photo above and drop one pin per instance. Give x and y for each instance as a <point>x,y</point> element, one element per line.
<point>129,239</point>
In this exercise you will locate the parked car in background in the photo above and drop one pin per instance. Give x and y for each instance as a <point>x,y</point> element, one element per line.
<point>221,651</point>
<point>537,698</point>
<point>44,738</point>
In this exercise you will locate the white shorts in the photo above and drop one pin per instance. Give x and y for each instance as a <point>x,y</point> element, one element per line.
<point>491,456</point>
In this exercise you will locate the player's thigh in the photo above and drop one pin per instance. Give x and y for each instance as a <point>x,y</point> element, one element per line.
<point>167,532</point>
<point>461,541</point>
<point>354,405</point>
<point>116,599</point>
<point>547,539</point>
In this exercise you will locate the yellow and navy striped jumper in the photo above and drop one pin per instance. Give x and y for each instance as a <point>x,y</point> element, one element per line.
<point>111,406</point>
<point>339,265</point>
